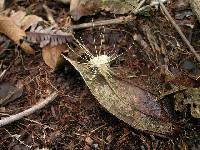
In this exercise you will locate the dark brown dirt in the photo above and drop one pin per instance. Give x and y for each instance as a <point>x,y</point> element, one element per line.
<point>75,120</point>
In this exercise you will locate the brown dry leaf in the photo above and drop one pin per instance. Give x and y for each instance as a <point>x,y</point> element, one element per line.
<point>23,21</point>
<point>79,8</point>
<point>129,103</point>
<point>14,27</point>
<point>29,21</point>
<point>15,33</point>
<point>119,6</point>
<point>17,17</point>
<point>9,93</point>
<point>52,55</point>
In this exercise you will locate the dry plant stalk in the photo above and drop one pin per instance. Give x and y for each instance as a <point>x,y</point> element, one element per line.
<point>195,5</point>
<point>120,20</point>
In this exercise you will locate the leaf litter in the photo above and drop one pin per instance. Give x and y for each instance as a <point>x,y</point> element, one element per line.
<point>14,27</point>
<point>79,8</point>
<point>128,76</point>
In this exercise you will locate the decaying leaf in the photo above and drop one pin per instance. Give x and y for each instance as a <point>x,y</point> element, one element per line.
<point>11,30</point>
<point>189,96</point>
<point>52,55</point>
<point>17,17</point>
<point>127,102</point>
<point>50,35</point>
<point>25,21</point>
<point>14,27</point>
<point>9,93</point>
<point>119,6</point>
<point>79,8</point>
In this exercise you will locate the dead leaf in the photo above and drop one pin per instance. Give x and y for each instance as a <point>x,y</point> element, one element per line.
<point>9,93</point>
<point>17,17</point>
<point>186,96</point>
<point>189,96</point>
<point>29,21</point>
<point>23,21</point>
<point>52,55</point>
<point>79,8</point>
<point>11,30</point>
<point>14,27</point>
<point>131,104</point>
<point>119,6</point>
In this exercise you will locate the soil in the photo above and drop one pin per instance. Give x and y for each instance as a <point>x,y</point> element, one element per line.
<point>75,120</point>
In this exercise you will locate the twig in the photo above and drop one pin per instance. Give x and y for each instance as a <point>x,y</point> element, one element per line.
<point>2,74</point>
<point>179,31</point>
<point>119,20</point>
<point>136,10</point>
<point>29,111</point>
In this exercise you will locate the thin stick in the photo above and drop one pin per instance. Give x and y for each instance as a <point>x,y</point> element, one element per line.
<point>2,74</point>
<point>136,10</point>
<point>179,31</point>
<point>29,111</point>
<point>119,20</point>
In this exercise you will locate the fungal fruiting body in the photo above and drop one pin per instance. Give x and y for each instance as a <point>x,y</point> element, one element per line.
<point>100,64</point>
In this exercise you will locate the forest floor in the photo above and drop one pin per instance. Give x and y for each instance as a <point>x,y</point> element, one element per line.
<point>75,119</point>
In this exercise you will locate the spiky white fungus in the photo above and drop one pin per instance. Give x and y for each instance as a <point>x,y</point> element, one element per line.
<point>100,64</point>
<point>100,61</point>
